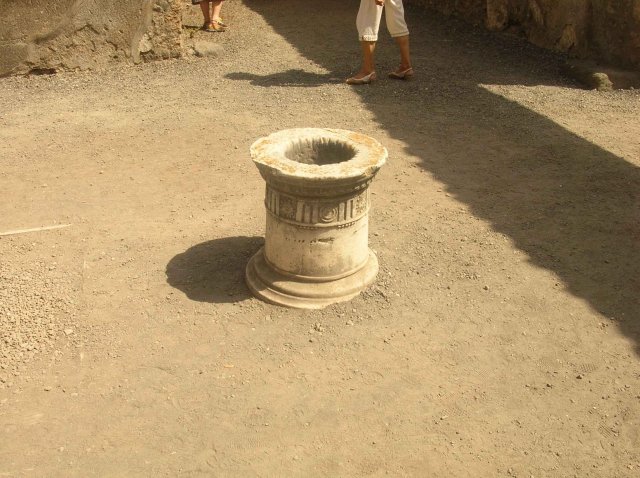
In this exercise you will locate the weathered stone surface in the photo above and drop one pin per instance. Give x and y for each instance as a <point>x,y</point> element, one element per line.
<point>84,34</point>
<point>207,48</point>
<point>163,32</point>
<point>497,14</point>
<point>603,78</point>
<point>615,31</point>
<point>69,34</point>
<point>13,55</point>
<point>317,200</point>
<point>605,30</point>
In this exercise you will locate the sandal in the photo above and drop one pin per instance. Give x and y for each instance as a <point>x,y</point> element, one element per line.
<point>214,27</point>
<point>365,80</point>
<point>221,23</point>
<point>402,75</point>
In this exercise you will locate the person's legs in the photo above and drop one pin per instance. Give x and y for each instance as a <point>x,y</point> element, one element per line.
<point>204,6</point>
<point>367,71</point>
<point>368,64</point>
<point>398,29</point>
<point>368,24</point>
<point>212,22</point>
<point>217,7</point>
<point>405,55</point>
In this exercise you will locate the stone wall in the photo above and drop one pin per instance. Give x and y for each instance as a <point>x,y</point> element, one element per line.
<point>48,35</point>
<point>604,30</point>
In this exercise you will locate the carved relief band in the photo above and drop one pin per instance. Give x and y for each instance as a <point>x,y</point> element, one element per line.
<point>311,212</point>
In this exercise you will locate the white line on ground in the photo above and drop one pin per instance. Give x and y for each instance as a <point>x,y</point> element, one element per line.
<point>35,229</point>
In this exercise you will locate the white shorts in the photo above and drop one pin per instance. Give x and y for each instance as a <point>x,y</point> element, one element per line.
<point>370,14</point>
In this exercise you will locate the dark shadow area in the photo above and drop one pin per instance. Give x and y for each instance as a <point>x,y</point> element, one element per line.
<point>571,206</point>
<point>299,78</point>
<point>213,271</point>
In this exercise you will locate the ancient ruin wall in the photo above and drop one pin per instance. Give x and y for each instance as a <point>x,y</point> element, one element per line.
<point>605,30</point>
<point>83,34</point>
<point>41,35</point>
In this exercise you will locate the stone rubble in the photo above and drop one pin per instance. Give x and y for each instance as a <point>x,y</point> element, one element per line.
<point>36,310</point>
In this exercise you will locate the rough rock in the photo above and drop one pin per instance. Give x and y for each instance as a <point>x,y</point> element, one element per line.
<point>41,35</point>
<point>601,77</point>
<point>207,48</point>
<point>604,30</point>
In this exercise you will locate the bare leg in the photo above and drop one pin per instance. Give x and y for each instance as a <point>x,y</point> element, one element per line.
<point>405,56</point>
<point>368,64</point>
<point>217,7</point>
<point>204,6</point>
<point>367,72</point>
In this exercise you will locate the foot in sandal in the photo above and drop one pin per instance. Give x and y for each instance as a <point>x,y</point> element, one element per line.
<point>362,78</point>
<point>402,73</point>
<point>214,27</point>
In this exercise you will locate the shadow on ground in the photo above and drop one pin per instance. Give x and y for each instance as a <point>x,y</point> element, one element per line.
<point>570,205</point>
<point>292,77</point>
<point>213,271</point>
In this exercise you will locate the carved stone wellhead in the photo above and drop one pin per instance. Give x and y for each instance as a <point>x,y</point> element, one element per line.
<point>317,202</point>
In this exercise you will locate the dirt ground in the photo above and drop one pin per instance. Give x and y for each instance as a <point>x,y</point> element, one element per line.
<point>502,337</point>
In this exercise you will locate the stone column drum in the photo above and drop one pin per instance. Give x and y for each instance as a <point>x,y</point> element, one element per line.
<point>317,202</point>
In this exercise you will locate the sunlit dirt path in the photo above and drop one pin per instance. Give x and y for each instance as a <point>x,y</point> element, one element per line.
<point>501,338</point>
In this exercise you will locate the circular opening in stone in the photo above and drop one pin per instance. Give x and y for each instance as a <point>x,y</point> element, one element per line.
<point>320,151</point>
